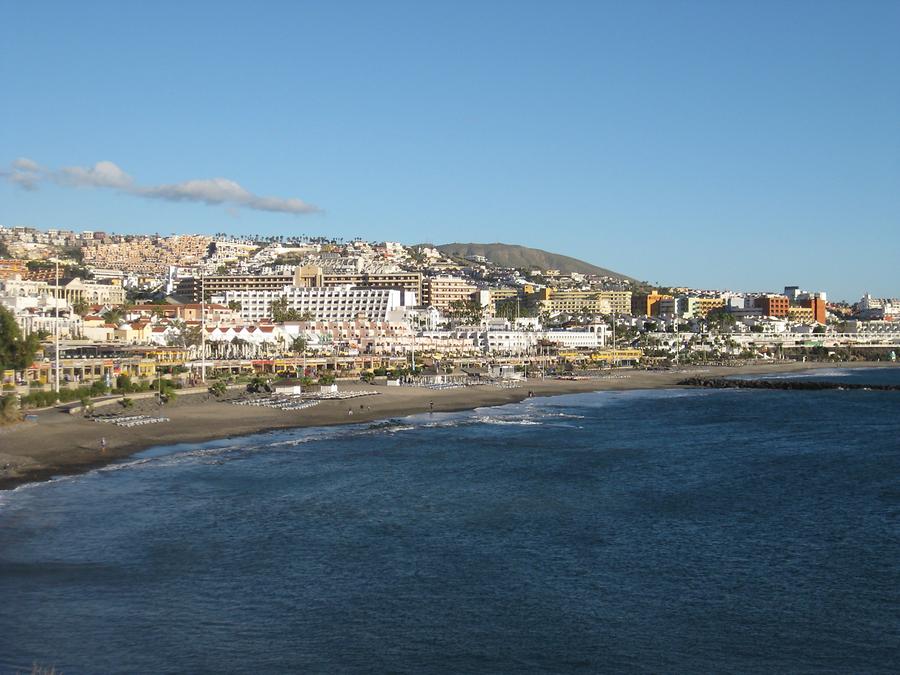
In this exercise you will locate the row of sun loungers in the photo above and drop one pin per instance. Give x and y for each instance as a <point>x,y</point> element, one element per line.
<point>279,402</point>
<point>131,420</point>
<point>343,395</point>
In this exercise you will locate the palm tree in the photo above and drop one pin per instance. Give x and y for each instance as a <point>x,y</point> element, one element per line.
<point>80,307</point>
<point>114,316</point>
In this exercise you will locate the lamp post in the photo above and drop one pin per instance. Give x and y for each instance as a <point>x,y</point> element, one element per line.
<point>202,328</point>
<point>614,359</point>
<point>56,336</point>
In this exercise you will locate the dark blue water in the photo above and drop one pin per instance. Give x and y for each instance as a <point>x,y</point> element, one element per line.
<point>883,375</point>
<point>666,531</point>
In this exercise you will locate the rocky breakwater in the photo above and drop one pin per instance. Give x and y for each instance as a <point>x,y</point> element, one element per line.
<point>797,385</point>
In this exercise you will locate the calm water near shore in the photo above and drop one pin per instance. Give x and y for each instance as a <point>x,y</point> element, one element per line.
<point>657,531</point>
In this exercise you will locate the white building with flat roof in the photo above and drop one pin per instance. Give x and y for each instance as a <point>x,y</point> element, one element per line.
<point>338,303</point>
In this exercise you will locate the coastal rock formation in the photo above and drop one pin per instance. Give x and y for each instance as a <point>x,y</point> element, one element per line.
<point>799,385</point>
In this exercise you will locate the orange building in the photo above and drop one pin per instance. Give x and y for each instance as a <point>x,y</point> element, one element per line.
<point>774,305</point>
<point>647,304</point>
<point>818,306</point>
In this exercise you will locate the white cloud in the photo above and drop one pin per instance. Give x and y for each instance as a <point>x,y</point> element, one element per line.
<point>25,164</point>
<point>28,174</point>
<point>214,191</point>
<point>27,180</point>
<point>208,191</point>
<point>25,173</point>
<point>102,174</point>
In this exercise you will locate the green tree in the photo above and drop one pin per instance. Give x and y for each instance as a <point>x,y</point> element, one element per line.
<point>298,346</point>
<point>281,312</point>
<point>72,252</point>
<point>114,316</point>
<point>16,352</point>
<point>468,311</point>
<point>80,307</point>
<point>4,251</point>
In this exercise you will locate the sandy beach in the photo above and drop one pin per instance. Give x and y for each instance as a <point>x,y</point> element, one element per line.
<point>59,443</point>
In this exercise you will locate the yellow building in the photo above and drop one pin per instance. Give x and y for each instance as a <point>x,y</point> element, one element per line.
<point>703,306</point>
<point>500,294</point>
<point>574,301</point>
<point>801,314</point>
<point>441,292</point>
<point>617,355</point>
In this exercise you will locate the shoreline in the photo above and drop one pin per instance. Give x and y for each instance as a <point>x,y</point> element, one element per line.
<point>62,444</point>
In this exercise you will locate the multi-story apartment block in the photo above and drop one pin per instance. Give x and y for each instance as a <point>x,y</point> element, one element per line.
<point>572,301</point>
<point>302,277</point>
<point>341,303</point>
<point>774,305</point>
<point>441,292</point>
<point>647,304</point>
<point>702,306</point>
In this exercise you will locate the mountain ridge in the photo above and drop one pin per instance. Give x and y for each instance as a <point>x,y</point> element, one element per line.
<point>515,255</point>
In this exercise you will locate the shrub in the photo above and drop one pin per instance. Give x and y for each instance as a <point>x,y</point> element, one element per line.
<point>38,399</point>
<point>9,409</point>
<point>218,388</point>
<point>126,403</point>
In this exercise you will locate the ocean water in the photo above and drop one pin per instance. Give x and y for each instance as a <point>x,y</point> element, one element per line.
<point>869,375</point>
<point>649,531</point>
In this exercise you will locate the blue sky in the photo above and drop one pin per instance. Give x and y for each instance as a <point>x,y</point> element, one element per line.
<point>714,144</point>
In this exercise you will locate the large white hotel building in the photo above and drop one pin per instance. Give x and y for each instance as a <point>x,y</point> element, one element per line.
<point>334,303</point>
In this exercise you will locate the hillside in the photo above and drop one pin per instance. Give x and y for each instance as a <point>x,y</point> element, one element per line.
<point>512,255</point>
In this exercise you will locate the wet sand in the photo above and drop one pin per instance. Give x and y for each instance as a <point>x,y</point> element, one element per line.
<point>59,443</point>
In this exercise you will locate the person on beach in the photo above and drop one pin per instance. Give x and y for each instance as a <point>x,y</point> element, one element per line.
<point>431,403</point>
<point>103,444</point>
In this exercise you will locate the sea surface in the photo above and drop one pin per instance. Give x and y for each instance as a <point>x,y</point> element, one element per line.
<point>648,531</point>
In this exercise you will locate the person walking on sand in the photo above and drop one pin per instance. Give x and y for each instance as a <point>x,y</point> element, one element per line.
<point>103,444</point>
<point>431,403</point>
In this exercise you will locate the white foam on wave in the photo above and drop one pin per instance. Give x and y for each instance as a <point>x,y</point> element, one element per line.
<point>803,374</point>
<point>487,419</point>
